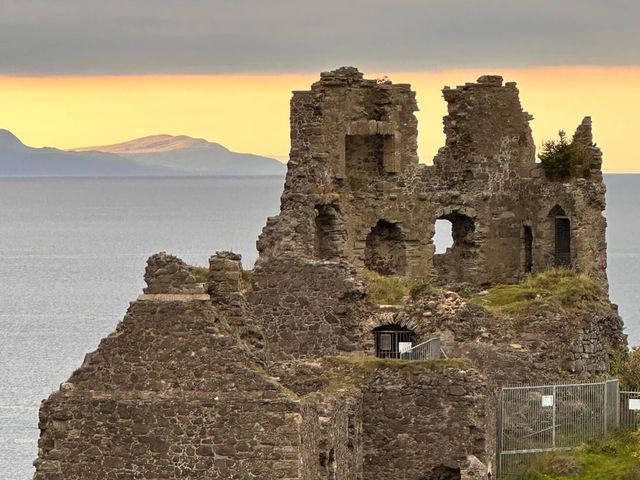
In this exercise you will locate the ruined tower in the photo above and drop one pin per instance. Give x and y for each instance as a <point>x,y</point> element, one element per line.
<point>356,191</point>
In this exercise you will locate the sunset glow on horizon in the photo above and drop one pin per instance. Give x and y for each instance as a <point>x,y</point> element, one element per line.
<point>250,113</point>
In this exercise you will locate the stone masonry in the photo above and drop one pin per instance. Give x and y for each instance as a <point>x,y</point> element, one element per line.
<point>272,373</point>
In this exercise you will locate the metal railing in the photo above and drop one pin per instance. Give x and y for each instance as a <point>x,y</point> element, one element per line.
<point>534,420</point>
<point>427,350</point>
<point>630,410</point>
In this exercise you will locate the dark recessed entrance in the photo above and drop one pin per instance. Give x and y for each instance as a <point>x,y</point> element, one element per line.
<point>392,340</point>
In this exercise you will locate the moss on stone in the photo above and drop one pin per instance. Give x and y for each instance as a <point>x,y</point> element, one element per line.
<point>373,363</point>
<point>201,273</point>
<point>391,290</point>
<point>553,288</point>
<point>346,372</point>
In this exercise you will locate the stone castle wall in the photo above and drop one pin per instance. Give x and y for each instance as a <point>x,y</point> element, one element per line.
<point>273,375</point>
<point>355,190</point>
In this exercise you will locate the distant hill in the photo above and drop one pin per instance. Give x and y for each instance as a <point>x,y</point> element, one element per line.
<point>164,155</point>
<point>190,155</point>
<point>17,159</point>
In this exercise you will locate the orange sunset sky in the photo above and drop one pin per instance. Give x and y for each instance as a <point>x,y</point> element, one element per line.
<point>250,113</point>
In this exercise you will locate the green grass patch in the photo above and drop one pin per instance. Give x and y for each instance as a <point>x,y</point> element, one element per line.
<point>348,372</point>
<point>558,287</point>
<point>374,363</point>
<point>390,290</point>
<point>615,457</point>
<point>201,273</point>
<point>202,276</point>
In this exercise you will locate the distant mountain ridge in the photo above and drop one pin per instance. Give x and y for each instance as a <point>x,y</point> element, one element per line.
<point>191,155</point>
<point>151,144</point>
<point>20,160</point>
<point>157,155</point>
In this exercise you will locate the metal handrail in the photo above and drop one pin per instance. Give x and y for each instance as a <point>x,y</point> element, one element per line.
<point>427,350</point>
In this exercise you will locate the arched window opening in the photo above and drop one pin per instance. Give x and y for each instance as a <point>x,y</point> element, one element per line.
<point>458,227</point>
<point>443,236</point>
<point>392,340</point>
<point>329,231</point>
<point>385,249</point>
<point>528,248</point>
<point>562,236</point>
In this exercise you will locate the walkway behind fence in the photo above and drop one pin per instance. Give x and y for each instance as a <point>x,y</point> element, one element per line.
<point>533,420</point>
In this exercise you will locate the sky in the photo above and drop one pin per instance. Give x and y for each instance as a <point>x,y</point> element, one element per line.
<point>84,72</point>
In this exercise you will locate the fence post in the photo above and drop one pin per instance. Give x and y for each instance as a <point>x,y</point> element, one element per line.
<point>500,435</point>
<point>606,394</point>
<point>553,419</point>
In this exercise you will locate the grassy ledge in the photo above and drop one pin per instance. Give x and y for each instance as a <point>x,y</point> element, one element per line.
<point>390,290</point>
<point>553,288</point>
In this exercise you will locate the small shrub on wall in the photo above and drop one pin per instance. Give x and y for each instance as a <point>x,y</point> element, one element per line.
<point>562,159</point>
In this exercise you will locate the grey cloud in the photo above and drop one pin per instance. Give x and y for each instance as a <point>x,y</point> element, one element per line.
<point>40,37</point>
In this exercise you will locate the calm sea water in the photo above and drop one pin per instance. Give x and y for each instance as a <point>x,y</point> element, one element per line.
<point>72,255</point>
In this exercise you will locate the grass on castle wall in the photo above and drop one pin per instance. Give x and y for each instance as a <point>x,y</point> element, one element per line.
<point>615,457</point>
<point>202,276</point>
<point>391,290</point>
<point>552,288</point>
<point>346,372</point>
<point>201,273</point>
<point>369,363</point>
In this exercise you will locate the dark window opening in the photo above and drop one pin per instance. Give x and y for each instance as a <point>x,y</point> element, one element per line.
<point>329,231</point>
<point>452,231</point>
<point>385,249</point>
<point>562,236</point>
<point>563,242</point>
<point>392,340</point>
<point>528,249</point>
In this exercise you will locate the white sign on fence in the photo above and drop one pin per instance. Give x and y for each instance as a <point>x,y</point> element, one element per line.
<point>547,400</point>
<point>634,404</point>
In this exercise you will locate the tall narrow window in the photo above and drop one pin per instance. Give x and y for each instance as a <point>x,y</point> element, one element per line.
<point>562,236</point>
<point>563,242</point>
<point>528,249</point>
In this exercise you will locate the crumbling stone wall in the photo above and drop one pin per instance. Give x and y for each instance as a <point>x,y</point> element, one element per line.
<point>277,379</point>
<point>409,427</point>
<point>307,309</point>
<point>168,274</point>
<point>353,148</point>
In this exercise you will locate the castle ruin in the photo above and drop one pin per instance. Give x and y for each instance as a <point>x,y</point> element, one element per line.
<point>293,372</point>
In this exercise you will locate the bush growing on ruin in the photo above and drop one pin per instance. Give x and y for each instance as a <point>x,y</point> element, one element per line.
<point>562,159</point>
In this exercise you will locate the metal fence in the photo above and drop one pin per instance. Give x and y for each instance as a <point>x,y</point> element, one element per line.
<point>427,350</point>
<point>534,420</point>
<point>630,410</point>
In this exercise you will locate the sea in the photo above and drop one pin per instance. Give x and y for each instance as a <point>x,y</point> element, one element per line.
<point>72,257</point>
